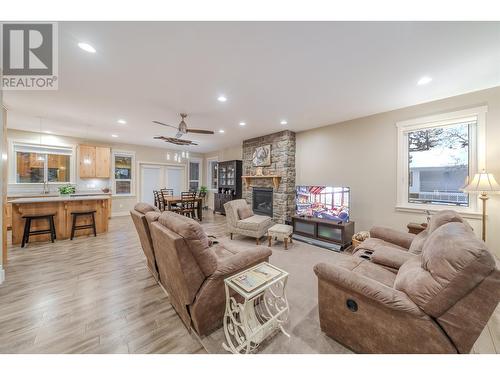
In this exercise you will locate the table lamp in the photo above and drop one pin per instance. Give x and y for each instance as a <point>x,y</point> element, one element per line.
<point>483,183</point>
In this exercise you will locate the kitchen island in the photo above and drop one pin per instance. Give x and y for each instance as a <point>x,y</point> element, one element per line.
<point>62,207</point>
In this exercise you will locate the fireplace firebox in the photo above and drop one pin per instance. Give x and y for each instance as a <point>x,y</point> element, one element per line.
<point>262,201</point>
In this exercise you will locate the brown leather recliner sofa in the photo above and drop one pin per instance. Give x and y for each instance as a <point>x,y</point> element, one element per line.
<point>438,302</point>
<point>193,271</point>
<point>138,214</point>
<point>391,248</point>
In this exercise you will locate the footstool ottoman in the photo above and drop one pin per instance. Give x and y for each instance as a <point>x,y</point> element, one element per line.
<point>281,232</point>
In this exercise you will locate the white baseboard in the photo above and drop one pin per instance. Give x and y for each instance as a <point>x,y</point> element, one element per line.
<point>2,274</point>
<point>120,213</point>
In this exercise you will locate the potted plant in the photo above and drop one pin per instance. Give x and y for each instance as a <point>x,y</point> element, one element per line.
<point>203,195</point>
<point>67,189</point>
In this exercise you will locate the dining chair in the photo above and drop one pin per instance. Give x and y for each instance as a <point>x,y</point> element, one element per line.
<point>158,200</point>
<point>169,193</point>
<point>188,204</point>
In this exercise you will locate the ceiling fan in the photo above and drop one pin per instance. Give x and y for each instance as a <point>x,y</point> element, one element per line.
<point>183,129</point>
<point>176,141</point>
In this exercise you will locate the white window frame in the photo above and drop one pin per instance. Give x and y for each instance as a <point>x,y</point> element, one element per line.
<point>133,174</point>
<point>13,162</point>
<point>209,174</point>
<point>200,169</point>
<point>477,155</point>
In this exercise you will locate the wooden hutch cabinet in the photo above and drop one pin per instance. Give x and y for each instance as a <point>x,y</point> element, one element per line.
<point>229,184</point>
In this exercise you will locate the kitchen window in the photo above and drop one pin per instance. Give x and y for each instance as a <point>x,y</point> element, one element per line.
<point>123,173</point>
<point>435,157</point>
<point>38,164</point>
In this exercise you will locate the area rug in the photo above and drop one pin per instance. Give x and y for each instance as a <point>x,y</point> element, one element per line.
<point>302,292</point>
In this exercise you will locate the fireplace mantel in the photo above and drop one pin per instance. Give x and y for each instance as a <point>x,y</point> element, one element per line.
<point>276,180</point>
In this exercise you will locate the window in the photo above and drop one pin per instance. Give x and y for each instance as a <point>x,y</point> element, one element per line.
<point>436,156</point>
<point>194,175</point>
<point>123,167</point>
<point>438,163</point>
<point>212,167</point>
<point>37,164</point>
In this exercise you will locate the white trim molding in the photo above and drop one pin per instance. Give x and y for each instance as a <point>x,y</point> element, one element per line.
<point>209,174</point>
<point>131,154</point>
<point>120,214</point>
<point>2,274</point>
<point>477,155</point>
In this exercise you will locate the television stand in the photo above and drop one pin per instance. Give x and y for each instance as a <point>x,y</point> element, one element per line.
<point>330,234</point>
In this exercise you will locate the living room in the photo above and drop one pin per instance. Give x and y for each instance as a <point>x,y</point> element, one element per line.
<point>317,187</point>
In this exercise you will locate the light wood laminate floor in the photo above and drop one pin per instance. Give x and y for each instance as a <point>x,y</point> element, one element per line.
<point>96,295</point>
<point>89,295</point>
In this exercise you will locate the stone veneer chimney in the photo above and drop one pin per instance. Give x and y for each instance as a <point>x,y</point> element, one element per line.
<point>282,164</point>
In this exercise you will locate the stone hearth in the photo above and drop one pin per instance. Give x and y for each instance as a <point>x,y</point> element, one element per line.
<point>282,164</point>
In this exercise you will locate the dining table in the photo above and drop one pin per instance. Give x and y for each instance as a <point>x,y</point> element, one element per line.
<point>171,200</point>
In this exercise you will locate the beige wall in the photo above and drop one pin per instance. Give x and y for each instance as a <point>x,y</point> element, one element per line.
<point>121,205</point>
<point>362,154</point>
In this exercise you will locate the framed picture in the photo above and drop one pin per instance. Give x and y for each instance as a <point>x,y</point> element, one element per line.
<point>262,156</point>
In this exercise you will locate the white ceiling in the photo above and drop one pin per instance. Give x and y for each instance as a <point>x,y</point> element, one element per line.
<point>310,73</point>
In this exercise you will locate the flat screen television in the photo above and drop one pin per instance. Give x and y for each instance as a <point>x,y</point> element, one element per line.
<point>323,202</point>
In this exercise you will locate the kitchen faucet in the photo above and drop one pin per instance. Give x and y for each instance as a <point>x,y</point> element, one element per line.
<point>46,187</point>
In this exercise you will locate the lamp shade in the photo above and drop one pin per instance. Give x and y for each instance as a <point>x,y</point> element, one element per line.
<point>482,182</point>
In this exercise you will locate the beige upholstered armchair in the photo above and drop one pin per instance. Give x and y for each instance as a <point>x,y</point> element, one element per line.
<point>192,270</point>
<point>438,302</point>
<point>241,220</point>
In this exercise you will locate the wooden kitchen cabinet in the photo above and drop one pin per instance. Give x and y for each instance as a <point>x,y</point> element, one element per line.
<point>103,162</point>
<point>95,161</point>
<point>8,215</point>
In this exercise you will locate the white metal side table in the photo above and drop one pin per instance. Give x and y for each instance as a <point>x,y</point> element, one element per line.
<point>262,311</point>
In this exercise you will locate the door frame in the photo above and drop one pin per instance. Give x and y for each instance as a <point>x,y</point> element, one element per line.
<point>153,163</point>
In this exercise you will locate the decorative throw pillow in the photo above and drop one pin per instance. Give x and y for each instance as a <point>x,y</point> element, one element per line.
<point>245,212</point>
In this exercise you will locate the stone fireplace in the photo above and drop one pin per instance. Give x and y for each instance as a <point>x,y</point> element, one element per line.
<point>262,201</point>
<point>282,164</point>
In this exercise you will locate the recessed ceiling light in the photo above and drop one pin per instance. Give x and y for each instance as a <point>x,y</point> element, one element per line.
<point>114,135</point>
<point>424,80</point>
<point>221,131</point>
<point>283,122</point>
<point>120,121</point>
<point>87,47</point>
<point>243,123</point>
<point>222,98</point>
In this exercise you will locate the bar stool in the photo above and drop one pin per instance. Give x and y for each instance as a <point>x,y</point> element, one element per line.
<point>75,227</point>
<point>27,227</point>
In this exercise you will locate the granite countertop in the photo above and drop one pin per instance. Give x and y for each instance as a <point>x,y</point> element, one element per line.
<point>55,194</point>
<point>60,198</point>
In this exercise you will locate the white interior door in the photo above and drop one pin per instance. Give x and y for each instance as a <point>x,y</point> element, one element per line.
<point>150,180</point>
<point>174,179</point>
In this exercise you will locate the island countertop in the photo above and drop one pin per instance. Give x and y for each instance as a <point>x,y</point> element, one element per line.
<point>62,207</point>
<point>60,198</point>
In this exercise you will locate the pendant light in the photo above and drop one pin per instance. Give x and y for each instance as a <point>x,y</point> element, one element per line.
<point>40,156</point>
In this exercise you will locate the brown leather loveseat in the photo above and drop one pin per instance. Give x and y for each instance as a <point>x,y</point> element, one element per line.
<point>391,248</point>
<point>138,214</point>
<point>193,271</point>
<point>438,302</point>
